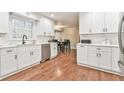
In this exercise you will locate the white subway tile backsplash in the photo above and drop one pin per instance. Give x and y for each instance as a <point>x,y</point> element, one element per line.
<point>100,38</point>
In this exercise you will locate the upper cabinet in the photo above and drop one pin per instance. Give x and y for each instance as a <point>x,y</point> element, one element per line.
<point>98,22</point>
<point>85,21</point>
<point>4,22</point>
<point>45,27</point>
<point>111,22</point>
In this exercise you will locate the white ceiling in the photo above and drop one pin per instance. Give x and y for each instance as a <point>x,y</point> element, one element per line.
<point>65,18</point>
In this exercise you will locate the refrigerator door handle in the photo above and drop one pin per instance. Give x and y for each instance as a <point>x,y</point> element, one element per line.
<point>119,34</point>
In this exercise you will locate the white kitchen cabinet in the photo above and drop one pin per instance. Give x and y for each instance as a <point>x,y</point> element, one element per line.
<point>45,27</point>
<point>85,22</point>
<point>98,22</point>
<point>111,22</point>
<point>28,55</point>
<point>102,22</point>
<point>8,60</point>
<point>35,54</point>
<point>105,60</point>
<point>23,57</point>
<point>115,59</point>
<point>4,22</point>
<point>82,54</point>
<point>92,58</point>
<point>53,49</point>
<point>99,57</point>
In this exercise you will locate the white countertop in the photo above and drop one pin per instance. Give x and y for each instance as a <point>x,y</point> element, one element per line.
<point>7,46</point>
<point>17,45</point>
<point>102,45</point>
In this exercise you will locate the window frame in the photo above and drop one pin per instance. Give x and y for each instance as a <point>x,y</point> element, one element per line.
<point>11,27</point>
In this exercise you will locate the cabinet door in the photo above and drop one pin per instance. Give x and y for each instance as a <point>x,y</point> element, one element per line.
<point>53,47</point>
<point>45,27</point>
<point>98,22</point>
<point>111,22</point>
<point>115,59</point>
<point>41,26</point>
<point>105,60</point>
<point>35,55</point>
<point>92,58</point>
<point>82,54</point>
<point>85,22</point>
<point>4,22</point>
<point>23,57</point>
<point>50,27</point>
<point>8,63</point>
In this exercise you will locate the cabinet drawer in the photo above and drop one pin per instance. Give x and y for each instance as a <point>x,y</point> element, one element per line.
<point>37,47</point>
<point>81,46</point>
<point>8,51</point>
<point>93,48</point>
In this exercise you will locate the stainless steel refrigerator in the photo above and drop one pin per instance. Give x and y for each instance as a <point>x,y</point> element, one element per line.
<point>121,42</point>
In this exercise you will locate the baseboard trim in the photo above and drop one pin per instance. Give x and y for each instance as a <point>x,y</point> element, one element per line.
<point>100,69</point>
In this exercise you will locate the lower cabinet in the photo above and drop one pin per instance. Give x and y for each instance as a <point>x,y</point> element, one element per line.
<point>28,55</point>
<point>23,57</point>
<point>92,58</point>
<point>53,49</point>
<point>35,54</point>
<point>82,54</point>
<point>12,59</point>
<point>8,61</point>
<point>105,60</point>
<point>99,57</point>
<point>115,59</point>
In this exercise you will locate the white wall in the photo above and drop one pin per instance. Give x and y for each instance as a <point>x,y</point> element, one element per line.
<point>73,35</point>
<point>99,38</point>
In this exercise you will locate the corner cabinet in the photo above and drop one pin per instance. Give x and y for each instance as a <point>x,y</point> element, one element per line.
<point>4,22</point>
<point>45,27</point>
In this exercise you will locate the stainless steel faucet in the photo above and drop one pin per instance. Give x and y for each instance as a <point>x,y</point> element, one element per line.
<point>23,39</point>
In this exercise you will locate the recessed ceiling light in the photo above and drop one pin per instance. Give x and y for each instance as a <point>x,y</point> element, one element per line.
<point>52,15</point>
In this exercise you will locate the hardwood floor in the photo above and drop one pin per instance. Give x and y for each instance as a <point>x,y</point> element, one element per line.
<point>62,68</point>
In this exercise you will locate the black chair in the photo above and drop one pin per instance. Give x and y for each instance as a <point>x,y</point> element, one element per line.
<point>66,45</point>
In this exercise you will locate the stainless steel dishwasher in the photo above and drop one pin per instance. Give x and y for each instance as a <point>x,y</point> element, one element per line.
<point>45,52</point>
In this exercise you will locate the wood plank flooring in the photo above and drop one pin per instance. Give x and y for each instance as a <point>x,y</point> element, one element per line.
<point>62,68</point>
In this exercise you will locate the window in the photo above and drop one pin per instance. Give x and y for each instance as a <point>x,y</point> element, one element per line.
<point>20,27</point>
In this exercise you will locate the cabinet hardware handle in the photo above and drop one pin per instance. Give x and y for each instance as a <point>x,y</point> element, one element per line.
<point>90,30</point>
<point>106,29</point>
<point>32,53</point>
<point>15,56</point>
<point>9,51</point>
<point>99,55</point>
<point>103,29</point>
<point>98,48</point>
